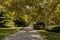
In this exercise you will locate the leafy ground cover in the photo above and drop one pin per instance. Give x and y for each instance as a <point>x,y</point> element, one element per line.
<point>49,35</point>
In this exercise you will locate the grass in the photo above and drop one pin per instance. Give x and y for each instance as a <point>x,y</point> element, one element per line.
<point>49,35</point>
<point>7,31</point>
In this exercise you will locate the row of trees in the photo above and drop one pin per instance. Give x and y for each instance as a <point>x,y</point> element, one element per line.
<point>29,11</point>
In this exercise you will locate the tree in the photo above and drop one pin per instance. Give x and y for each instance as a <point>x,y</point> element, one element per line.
<point>29,10</point>
<point>50,12</point>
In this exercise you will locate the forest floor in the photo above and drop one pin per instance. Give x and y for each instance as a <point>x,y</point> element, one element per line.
<point>26,34</point>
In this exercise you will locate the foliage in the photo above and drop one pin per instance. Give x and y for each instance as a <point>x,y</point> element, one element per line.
<point>54,28</point>
<point>9,24</point>
<point>31,11</point>
<point>20,23</point>
<point>1,19</point>
<point>39,25</point>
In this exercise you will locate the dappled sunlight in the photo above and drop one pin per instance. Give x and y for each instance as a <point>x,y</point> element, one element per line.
<point>37,36</point>
<point>25,17</point>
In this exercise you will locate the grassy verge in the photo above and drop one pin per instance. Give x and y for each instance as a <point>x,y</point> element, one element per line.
<point>7,31</point>
<point>49,35</point>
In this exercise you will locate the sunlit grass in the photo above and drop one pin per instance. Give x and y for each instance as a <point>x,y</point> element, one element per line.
<point>7,31</point>
<point>49,35</point>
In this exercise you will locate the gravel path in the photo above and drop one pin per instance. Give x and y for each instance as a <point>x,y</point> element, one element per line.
<point>25,34</point>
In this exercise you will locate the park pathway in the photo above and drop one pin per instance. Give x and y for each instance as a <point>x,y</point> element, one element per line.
<point>26,34</point>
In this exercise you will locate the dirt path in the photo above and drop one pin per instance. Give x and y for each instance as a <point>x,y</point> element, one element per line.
<point>26,34</point>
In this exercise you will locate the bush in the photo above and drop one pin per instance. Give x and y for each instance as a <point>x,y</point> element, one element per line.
<point>9,24</point>
<point>39,25</point>
<point>56,29</point>
<point>36,26</point>
<point>20,23</point>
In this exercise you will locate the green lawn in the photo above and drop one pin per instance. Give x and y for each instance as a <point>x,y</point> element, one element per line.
<point>7,31</point>
<point>49,35</point>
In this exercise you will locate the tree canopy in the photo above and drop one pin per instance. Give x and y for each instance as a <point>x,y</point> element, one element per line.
<point>30,11</point>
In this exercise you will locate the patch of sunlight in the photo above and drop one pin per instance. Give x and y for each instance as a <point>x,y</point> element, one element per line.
<point>41,31</point>
<point>37,36</point>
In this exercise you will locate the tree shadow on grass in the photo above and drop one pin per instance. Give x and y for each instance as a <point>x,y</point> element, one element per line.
<point>50,35</point>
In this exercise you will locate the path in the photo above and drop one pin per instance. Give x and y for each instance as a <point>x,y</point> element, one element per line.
<point>25,34</point>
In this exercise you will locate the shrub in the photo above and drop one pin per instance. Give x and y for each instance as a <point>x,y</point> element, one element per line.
<point>20,23</point>
<point>9,24</point>
<point>39,25</point>
<point>56,29</point>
